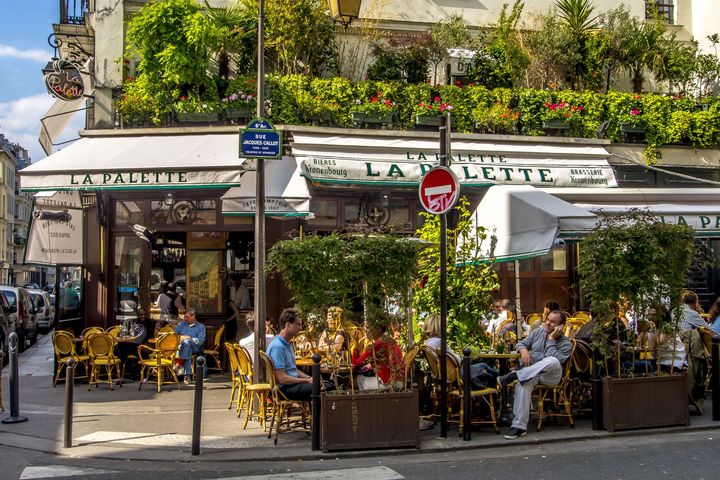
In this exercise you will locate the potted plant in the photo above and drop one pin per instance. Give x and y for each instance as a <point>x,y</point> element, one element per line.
<point>312,109</point>
<point>427,114</point>
<point>378,110</point>
<point>632,124</point>
<point>377,270</point>
<point>559,117</point>
<point>633,262</point>
<point>496,119</point>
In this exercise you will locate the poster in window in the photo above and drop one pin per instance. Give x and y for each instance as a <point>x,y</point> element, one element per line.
<point>204,284</point>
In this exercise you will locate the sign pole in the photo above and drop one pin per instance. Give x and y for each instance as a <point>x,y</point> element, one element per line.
<point>444,127</point>
<point>259,298</point>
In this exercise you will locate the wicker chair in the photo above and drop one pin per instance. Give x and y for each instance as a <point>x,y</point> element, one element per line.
<point>235,377</point>
<point>159,360</point>
<point>101,352</point>
<point>214,350</point>
<point>114,331</point>
<point>250,390</point>
<point>64,347</point>
<point>561,394</point>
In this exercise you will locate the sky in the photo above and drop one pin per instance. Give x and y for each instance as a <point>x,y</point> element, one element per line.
<point>24,51</point>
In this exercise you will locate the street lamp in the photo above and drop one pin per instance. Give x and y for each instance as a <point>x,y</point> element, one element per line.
<point>344,11</point>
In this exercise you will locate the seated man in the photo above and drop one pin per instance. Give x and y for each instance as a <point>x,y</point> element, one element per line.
<point>192,338</point>
<point>293,383</point>
<point>542,355</point>
<point>249,341</point>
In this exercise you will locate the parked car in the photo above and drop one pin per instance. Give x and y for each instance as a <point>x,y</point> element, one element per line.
<point>8,324</point>
<point>19,300</point>
<point>45,310</point>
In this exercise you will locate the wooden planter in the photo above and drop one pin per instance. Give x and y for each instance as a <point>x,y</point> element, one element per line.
<point>198,117</point>
<point>427,120</point>
<point>238,114</point>
<point>371,120</point>
<point>644,402</point>
<point>369,421</point>
<point>557,125</point>
<point>632,133</point>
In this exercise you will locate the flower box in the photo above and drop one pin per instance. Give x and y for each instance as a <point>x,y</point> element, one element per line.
<point>427,120</point>
<point>238,113</point>
<point>644,402</point>
<point>557,124</point>
<point>320,118</point>
<point>367,120</point>
<point>632,133</point>
<point>197,117</point>
<point>369,420</point>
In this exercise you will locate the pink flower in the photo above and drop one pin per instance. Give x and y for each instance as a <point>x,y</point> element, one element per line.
<point>436,99</point>
<point>635,111</point>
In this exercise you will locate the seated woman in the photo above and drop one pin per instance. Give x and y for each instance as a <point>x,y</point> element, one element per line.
<point>380,363</point>
<point>333,340</point>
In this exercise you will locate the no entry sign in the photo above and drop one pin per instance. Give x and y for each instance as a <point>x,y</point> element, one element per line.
<point>439,190</point>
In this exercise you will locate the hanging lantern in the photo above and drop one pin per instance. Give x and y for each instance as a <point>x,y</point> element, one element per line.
<point>344,11</point>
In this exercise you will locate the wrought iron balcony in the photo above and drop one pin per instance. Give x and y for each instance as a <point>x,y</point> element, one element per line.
<point>73,12</point>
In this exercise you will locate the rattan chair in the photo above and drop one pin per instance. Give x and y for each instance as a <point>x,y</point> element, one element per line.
<point>86,334</point>
<point>64,348</point>
<point>561,399</point>
<point>489,395</point>
<point>114,331</point>
<point>250,391</point>
<point>101,352</point>
<point>583,316</point>
<point>2,358</point>
<point>706,336</point>
<point>408,362</point>
<point>235,377</point>
<point>214,350</point>
<point>159,360</point>
<point>287,414</point>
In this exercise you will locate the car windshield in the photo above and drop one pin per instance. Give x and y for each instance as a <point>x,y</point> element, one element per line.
<point>37,299</point>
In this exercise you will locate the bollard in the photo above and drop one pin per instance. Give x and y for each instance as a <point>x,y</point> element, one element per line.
<point>715,378</point>
<point>14,383</point>
<point>315,420</point>
<point>69,390</point>
<point>197,404</point>
<point>597,418</point>
<point>467,398</point>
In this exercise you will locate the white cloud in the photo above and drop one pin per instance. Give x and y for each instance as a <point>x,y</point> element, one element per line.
<point>33,54</point>
<point>20,123</point>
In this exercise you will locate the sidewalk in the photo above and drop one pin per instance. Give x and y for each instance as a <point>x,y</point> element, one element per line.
<point>143,425</point>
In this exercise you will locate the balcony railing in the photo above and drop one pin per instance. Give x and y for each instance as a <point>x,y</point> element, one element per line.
<point>665,11</point>
<point>73,11</point>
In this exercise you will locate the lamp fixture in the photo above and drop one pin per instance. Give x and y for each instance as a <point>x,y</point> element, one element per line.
<point>344,11</point>
<point>169,198</point>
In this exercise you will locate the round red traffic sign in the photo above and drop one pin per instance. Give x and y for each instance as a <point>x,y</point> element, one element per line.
<point>439,190</point>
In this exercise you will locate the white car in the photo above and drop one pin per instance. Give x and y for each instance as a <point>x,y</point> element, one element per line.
<point>44,308</point>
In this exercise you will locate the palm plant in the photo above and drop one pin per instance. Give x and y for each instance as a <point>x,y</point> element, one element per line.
<point>578,18</point>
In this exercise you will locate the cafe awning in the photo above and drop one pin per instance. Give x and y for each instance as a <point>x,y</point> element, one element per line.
<point>523,222</point>
<point>697,207</point>
<point>388,160</point>
<point>286,192</point>
<point>139,162</point>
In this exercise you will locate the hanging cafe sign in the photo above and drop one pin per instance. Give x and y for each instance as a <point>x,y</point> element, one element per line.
<point>63,80</point>
<point>470,169</point>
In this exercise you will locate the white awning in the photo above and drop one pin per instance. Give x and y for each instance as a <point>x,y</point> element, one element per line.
<point>392,161</point>
<point>525,221</point>
<point>697,207</point>
<point>286,192</point>
<point>142,162</point>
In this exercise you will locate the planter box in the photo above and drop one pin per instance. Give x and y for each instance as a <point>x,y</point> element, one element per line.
<point>644,402</point>
<point>556,125</point>
<point>370,420</point>
<point>198,117</point>
<point>371,120</point>
<point>427,120</point>
<point>237,114</point>
<point>631,133</point>
<point>322,118</point>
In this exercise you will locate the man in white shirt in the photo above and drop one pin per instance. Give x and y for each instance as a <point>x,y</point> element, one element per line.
<point>249,341</point>
<point>239,294</point>
<point>499,316</point>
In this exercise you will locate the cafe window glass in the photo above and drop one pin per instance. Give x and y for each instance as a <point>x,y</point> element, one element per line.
<point>127,266</point>
<point>399,216</point>
<point>71,293</point>
<point>556,260</point>
<point>352,211</point>
<point>325,212</point>
<point>128,212</point>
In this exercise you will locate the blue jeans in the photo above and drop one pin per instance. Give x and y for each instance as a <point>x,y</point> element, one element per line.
<point>186,350</point>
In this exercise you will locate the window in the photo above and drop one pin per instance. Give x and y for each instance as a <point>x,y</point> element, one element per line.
<point>325,213</point>
<point>664,9</point>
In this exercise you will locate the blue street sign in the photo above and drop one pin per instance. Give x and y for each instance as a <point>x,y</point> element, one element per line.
<point>260,140</point>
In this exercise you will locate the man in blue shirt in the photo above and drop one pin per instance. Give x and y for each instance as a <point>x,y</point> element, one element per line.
<point>192,338</point>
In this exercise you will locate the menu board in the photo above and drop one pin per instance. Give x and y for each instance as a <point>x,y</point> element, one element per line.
<point>204,283</point>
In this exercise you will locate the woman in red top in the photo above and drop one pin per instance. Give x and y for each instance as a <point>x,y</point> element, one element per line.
<point>383,359</point>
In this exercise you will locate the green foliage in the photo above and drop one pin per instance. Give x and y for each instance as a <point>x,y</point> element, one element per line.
<point>553,52</point>
<point>470,283</point>
<point>452,32</point>
<point>400,60</point>
<point>334,270</point>
<point>633,261</point>
<point>578,18</point>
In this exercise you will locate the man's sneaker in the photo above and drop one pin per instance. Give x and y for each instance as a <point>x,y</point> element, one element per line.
<point>504,380</point>
<point>187,380</point>
<point>515,433</point>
